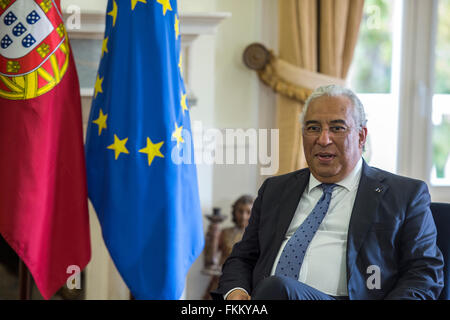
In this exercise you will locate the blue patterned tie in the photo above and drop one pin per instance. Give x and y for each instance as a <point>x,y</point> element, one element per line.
<point>293,253</point>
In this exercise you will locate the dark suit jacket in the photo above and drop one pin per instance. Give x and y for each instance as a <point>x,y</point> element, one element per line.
<point>391,226</point>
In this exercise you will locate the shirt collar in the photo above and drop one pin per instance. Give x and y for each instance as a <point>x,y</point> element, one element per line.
<point>349,182</point>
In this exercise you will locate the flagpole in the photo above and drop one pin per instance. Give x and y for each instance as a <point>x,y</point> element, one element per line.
<point>24,281</point>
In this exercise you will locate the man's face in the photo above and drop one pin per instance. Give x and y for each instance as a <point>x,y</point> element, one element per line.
<point>332,141</point>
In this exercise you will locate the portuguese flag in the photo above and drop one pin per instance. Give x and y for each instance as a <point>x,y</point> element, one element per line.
<point>43,197</point>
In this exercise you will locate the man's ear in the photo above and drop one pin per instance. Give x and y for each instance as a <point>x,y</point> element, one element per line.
<point>362,137</point>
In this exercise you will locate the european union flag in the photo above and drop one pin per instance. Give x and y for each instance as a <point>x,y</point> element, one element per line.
<point>142,178</point>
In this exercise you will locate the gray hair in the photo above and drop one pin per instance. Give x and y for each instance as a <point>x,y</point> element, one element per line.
<point>333,91</point>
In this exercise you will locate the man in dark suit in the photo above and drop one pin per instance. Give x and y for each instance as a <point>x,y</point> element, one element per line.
<point>339,229</point>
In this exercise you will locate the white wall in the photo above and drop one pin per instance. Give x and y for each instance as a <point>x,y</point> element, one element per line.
<point>239,100</point>
<point>236,96</point>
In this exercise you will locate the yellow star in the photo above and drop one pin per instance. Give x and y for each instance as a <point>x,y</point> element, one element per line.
<point>165,4</point>
<point>184,103</point>
<point>113,13</point>
<point>177,134</point>
<point>180,64</point>
<point>104,46</point>
<point>152,150</point>
<point>101,121</point>
<point>119,146</point>
<point>177,27</point>
<point>98,86</point>
<point>134,2</point>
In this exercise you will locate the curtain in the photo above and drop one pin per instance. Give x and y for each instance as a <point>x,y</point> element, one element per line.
<point>317,39</point>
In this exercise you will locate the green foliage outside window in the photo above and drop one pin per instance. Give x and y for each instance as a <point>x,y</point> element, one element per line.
<point>442,80</point>
<point>373,60</point>
<point>441,146</point>
<point>441,133</point>
<point>373,54</point>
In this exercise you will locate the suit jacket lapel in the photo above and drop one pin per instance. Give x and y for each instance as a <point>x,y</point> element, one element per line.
<point>365,208</point>
<point>288,205</point>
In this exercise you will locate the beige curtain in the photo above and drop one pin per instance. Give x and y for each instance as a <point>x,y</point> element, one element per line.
<point>317,39</point>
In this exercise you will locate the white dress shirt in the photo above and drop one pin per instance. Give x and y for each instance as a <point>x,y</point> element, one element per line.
<point>324,265</point>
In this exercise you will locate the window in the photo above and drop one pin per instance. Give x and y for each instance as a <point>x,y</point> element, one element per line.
<point>401,71</point>
<point>440,172</point>
<point>372,63</point>
<point>371,77</point>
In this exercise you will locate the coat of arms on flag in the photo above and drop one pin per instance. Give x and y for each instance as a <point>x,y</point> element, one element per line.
<point>34,51</point>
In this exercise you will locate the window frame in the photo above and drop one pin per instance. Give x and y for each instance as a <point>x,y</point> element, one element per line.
<point>415,93</point>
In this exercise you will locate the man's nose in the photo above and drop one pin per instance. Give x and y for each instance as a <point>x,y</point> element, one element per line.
<point>324,138</point>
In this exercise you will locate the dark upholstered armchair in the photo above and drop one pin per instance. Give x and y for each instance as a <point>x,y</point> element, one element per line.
<point>441,215</point>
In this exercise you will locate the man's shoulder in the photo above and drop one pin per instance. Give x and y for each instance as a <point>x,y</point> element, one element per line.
<point>393,178</point>
<point>302,173</point>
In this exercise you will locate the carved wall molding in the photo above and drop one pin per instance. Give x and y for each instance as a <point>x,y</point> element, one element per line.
<point>91,26</point>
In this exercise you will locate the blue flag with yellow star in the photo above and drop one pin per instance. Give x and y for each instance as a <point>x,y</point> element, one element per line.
<point>142,179</point>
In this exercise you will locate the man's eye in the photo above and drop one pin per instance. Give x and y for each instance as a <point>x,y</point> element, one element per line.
<point>338,129</point>
<point>313,129</point>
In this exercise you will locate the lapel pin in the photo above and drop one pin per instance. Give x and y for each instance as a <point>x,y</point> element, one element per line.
<point>378,190</point>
